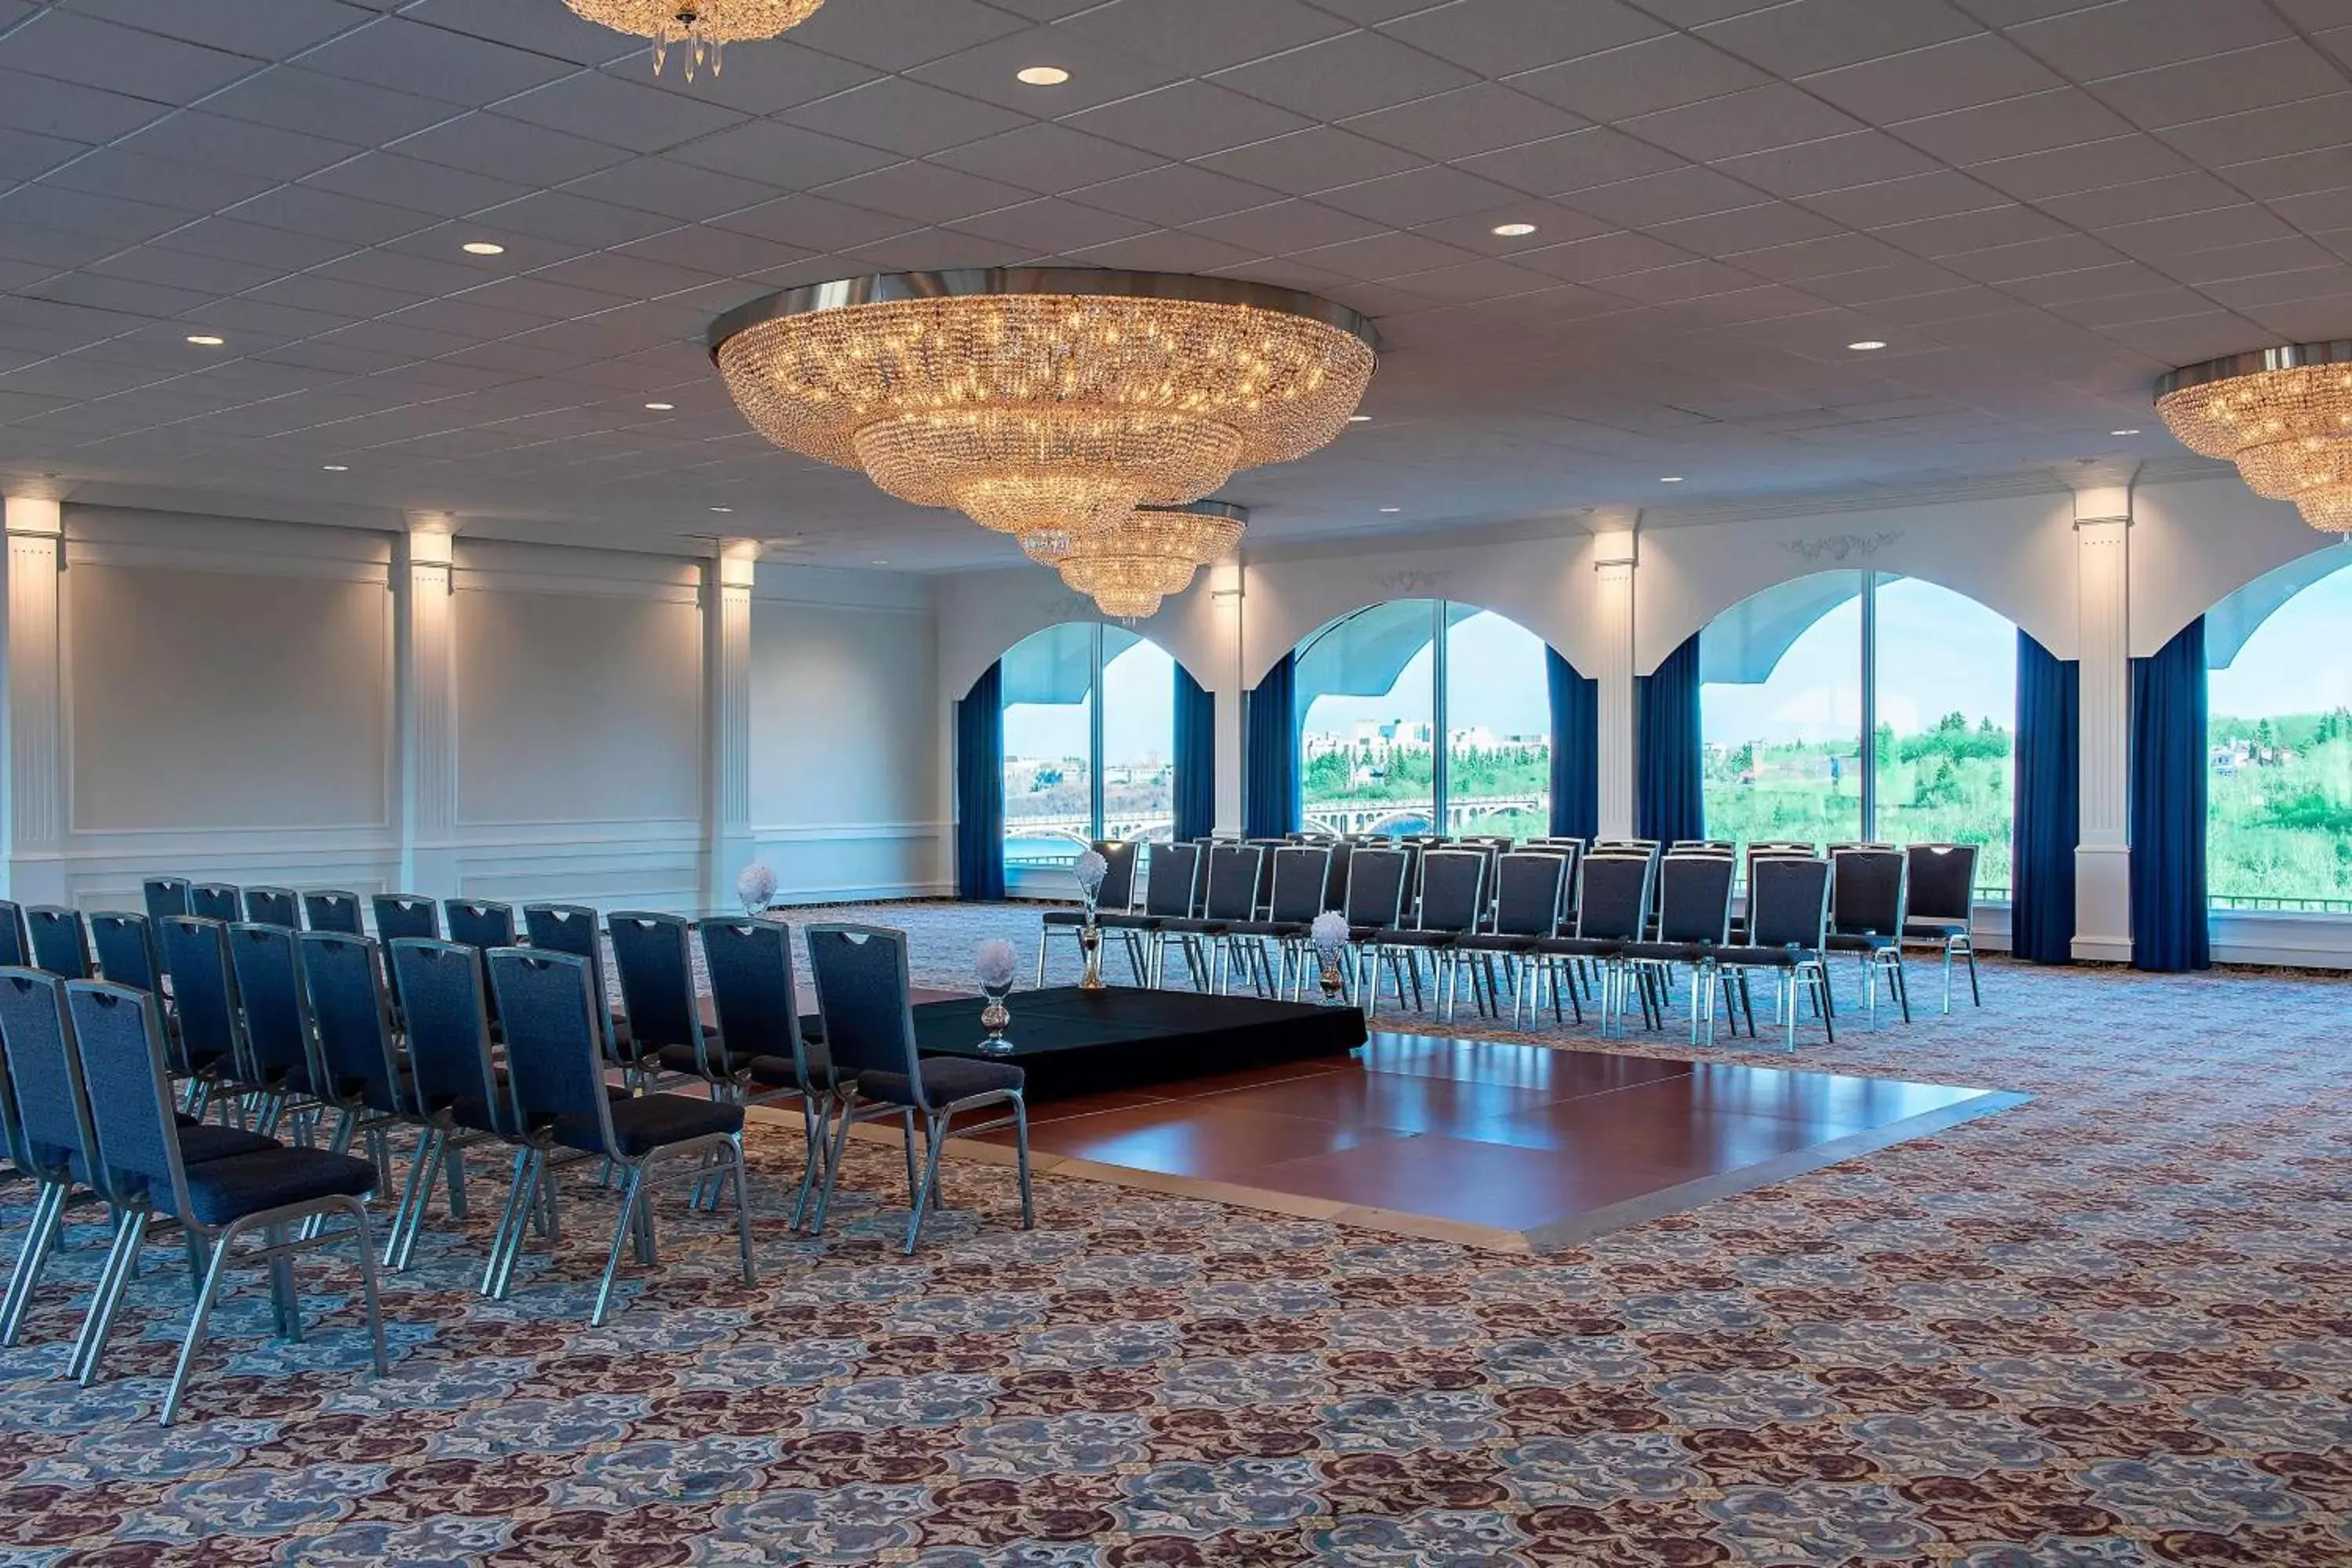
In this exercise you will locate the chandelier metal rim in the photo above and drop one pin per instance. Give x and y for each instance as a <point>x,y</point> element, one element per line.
<point>2254,362</point>
<point>1224,510</point>
<point>975,282</point>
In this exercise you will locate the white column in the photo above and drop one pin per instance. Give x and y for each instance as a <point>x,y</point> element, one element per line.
<point>431,859</point>
<point>1614,557</point>
<point>727,845</point>
<point>1226,590</point>
<point>34,708</point>
<point>2102,611</point>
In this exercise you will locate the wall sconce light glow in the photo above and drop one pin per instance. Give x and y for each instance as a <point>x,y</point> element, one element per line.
<point>1867,345</point>
<point>1043,76</point>
<point>661,408</point>
<point>206,340</point>
<point>334,468</point>
<point>1515,230</point>
<point>484,247</point>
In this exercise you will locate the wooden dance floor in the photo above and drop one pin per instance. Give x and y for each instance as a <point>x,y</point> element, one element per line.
<point>1519,1147</point>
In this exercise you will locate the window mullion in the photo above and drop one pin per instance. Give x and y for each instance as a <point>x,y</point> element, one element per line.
<point>1095,736</point>
<point>1869,758</point>
<point>1440,780</point>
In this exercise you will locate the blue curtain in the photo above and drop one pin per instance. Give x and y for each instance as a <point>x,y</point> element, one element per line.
<point>1270,789</point>
<point>1668,798</point>
<point>979,788</point>
<point>1575,749</point>
<point>1196,758</point>
<point>2168,806</point>
<point>2048,802</point>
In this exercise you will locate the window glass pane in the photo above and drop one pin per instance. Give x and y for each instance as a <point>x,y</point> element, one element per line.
<point>1946,719</point>
<point>1049,682</point>
<point>1497,728</point>
<point>1780,712</point>
<point>1139,687</point>
<point>1367,722</point>
<point>2279,769</point>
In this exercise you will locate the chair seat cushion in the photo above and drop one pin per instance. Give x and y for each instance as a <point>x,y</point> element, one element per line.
<point>681,1058</point>
<point>1935,929</point>
<point>1071,918</point>
<point>1859,941</point>
<point>200,1143</point>
<point>650,1121</point>
<point>1667,951</point>
<point>237,1186</point>
<point>1579,946</point>
<point>1132,922</point>
<point>1399,938</point>
<point>776,1072</point>
<point>945,1079</point>
<point>1197,926</point>
<point>1746,957</point>
<point>1496,941</point>
<point>1284,929</point>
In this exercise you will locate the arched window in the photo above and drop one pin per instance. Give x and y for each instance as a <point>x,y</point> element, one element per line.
<point>1089,741</point>
<point>1794,679</point>
<point>1421,715</point>
<point>2278,693</point>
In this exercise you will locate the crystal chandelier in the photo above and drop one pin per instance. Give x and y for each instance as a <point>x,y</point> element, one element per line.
<point>1045,401</point>
<point>2282,415</point>
<point>1130,566</point>
<point>701,25</point>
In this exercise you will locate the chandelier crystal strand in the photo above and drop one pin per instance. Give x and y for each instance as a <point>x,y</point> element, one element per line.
<point>1045,402</point>
<point>698,29</point>
<point>2282,415</point>
<point>1153,553</point>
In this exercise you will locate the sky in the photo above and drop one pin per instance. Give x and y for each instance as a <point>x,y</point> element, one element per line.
<point>1139,712</point>
<point>2295,662</point>
<point>1497,670</point>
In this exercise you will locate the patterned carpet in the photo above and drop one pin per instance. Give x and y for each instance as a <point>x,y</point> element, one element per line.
<point>2114,1326</point>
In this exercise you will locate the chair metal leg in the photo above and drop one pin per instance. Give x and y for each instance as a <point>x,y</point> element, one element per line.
<point>1976,996</point>
<point>90,1347</point>
<point>1898,980</point>
<point>742,1210</point>
<point>1020,1153</point>
<point>631,1192</point>
<point>40,1239</point>
<point>285,1304</point>
<point>369,1296</point>
<point>934,1134</point>
<point>832,1164</point>
<point>507,1241</point>
<point>812,1129</point>
<point>196,1323</point>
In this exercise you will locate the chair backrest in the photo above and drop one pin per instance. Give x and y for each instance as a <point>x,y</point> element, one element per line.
<point>219,901</point>
<point>1943,881</point>
<point>1868,886</point>
<point>556,1058</point>
<point>1233,870</point>
<point>15,949</point>
<point>448,1029</point>
<point>652,955</point>
<point>1612,899</point>
<point>125,946</point>
<point>50,1129</point>
<point>269,985</point>
<point>1118,893</point>
<point>204,991</point>
<point>1173,886</point>
<point>60,945</point>
<point>399,915</point>
<point>273,907</point>
<point>1529,887</point>
<point>1694,897</point>
<point>1299,873</point>
<point>864,997</point>
<point>165,896</point>
<point>118,1037</point>
<point>479,924</point>
<point>1335,879</point>
<point>343,977</point>
<point>1788,902</point>
<point>573,928</point>
<point>753,991</point>
<point>1452,889</point>
<point>333,909</point>
<point>1376,886</point>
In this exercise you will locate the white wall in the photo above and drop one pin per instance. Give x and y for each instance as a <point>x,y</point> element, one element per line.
<point>847,750</point>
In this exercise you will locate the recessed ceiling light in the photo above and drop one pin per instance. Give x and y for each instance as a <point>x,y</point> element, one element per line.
<point>1867,345</point>
<point>722,509</point>
<point>881,564</point>
<point>1514,230</point>
<point>1360,419</point>
<point>661,408</point>
<point>2122,432</point>
<point>484,247</point>
<point>1670,478</point>
<point>206,340</point>
<point>335,468</point>
<point>1391,509</point>
<point>1043,76</point>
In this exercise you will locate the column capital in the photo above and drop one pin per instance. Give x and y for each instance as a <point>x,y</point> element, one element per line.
<point>41,515</point>
<point>738,562</point>
<point>2102,494</point>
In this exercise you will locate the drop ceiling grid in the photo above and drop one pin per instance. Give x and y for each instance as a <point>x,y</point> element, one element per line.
<point>2039,202</point>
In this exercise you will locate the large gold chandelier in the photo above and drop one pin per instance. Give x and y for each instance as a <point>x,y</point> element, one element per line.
<point>702,26</point>
<point>1045,401</point>
<point>2282,415</point>
<point>1130,566</point>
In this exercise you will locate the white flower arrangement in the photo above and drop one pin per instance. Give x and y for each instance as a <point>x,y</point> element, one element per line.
<point>1090,869</point>
<point>997,963</point>
<point>755,884</point>
<point>1329,932</point>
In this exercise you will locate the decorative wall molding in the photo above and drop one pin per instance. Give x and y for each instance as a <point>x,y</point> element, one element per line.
<point>1839,547</point>
<point>847,832</point>
<point>1414,585</point>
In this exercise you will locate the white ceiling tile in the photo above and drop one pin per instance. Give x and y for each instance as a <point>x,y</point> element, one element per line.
<point>1640,78</point>
<point>1283,227</point>
<point>1047,226</point>
<point>812,223</point>
<point>781,155</point>
<point>1309,161</point>
<point>1684,281</point>
<point>2168,196</point>
<point>1607,256</point>
<point>1836,163</point>
<point>128,295</point>
<point>2254,259</point>
<point>1417,197</point>
<point>2121,160</point>
<point>265,32</point>
<point>1983,229</point>
<point>483,144</point>
<point>606,108</point>
<point>2034,259</point>
<point>1804,35</point>
<point>924,193</point>
<point>1204,35</point>
<point>432,62</point>
<point>631,277</point>
<point>1661,198</point>
<point>1473,282</point>
<point>2300,127</point>
<point>2319,213</point>
<point>1767,225</point>
<point>79,48</point>
<point>26,156</point>
<point>2033,124</point>
<point>1555,224</point>
<point>575,220</point>
<point>212,274</point>
<point>324,106</point>
<point>399,181</point>
<point>213,141</point>
<point>1495,38</point>
<point>1576,162</point>
<point>905,117</point>
<point>2224,84</point>
<point>555,30</point>
<point>1165,250</point>
<point>1098,75</point>
<point>306,210</point>
<point>1821,257</point>
<point>1354,73</point>
<point>1188,120</point>
<point>1757,120</point>
<point>1467,121</point>
<point>110,172</point>
<point>67,109</point>
<point>2134,35</point>
<point>1175,194</point>
<point>239,241</point>
<point>1385,255</point>
<point>1046,157</point>
<point>896,35</point>
<point>2206,229</point>
<point>349,302</point>
<point>1981,68</point>
<point>710,249</point>
<point>676,190</point>
<point>2295,174</point>
<point>925,249</point>
<point>775,75</point>
<point>49,206</point>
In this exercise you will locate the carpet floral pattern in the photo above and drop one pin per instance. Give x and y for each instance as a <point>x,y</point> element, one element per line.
<point>2112,1326</point>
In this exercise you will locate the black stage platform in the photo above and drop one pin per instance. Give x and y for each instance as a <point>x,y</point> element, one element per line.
<point>1081,1042</point>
